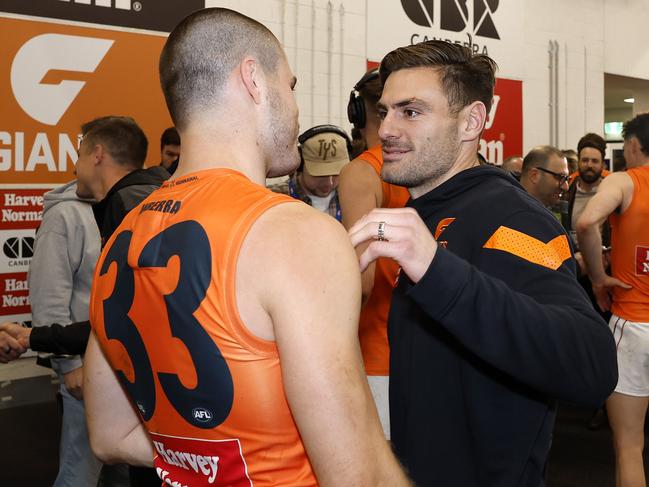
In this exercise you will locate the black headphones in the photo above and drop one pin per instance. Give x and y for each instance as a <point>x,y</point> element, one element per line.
<point>320,129</point>
<point>356,106</point>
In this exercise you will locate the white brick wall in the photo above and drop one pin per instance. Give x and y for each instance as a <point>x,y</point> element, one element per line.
<point>316,52</point>
<point>594,36</point>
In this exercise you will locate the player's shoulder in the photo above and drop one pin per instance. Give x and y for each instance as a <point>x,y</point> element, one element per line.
<point>292,217</point>
<point>293,230</point>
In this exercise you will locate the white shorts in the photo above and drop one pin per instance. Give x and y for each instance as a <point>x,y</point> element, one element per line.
<point>632,342</point>
<point>379,385</point>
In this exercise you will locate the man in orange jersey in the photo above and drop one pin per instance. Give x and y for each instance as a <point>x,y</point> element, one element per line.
<point>361,190</point>
<point>212,357</point>
<point>622,198</point>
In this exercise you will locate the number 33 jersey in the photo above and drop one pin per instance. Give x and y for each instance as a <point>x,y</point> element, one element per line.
<point>163,307</point>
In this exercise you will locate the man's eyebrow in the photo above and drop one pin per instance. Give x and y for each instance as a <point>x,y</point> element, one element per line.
<point>404,103</point>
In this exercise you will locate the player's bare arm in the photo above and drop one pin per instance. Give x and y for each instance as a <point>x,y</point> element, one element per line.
<point>116,433</point>
<point>309,293</point>
<point>360,192</point>
<point>614,193</point>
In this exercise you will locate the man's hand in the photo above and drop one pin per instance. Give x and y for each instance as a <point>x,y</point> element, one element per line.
<point>407,240</point>
<point>603,290</point>
<point>74,383</point>
<point>10,348</point>
<point>20,333</point>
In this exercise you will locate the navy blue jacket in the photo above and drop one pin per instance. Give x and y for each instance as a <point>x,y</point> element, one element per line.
<point>489,338</point>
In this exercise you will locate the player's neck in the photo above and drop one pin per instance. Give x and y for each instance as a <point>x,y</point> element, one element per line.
<point>200,153</point>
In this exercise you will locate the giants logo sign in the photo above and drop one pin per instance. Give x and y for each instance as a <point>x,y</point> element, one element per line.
<point>56,78</point>
<point>47,103</point>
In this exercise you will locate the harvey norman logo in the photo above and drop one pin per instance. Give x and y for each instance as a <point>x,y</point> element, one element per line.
<point>454,15</point>
<point>43,54</point>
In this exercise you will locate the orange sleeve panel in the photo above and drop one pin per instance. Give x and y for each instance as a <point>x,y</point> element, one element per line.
<point>550,255</point>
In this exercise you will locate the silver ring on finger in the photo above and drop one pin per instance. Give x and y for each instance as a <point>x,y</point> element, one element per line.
<point>381,232</point>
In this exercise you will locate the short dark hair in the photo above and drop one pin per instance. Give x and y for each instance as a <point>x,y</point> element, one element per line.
<point>169,137</point>
<point>122,137</point>
<point>465,77</point>
<point>371,92</point>
<point>592,141</point>
<point>539,157</point>
<point>202,51</point>
<point>638,127</point>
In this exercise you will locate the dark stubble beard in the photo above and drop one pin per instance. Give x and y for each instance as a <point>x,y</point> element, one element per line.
<point>427,165</point>
<point>590,177</point>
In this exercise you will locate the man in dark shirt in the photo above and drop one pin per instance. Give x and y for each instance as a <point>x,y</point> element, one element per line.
<point>488,325</point>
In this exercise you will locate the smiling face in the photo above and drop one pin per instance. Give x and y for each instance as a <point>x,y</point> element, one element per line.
<point>550,186</point>
<point>418,132</point>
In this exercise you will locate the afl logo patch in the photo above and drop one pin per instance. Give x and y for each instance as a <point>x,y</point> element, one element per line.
<point>201,414</point>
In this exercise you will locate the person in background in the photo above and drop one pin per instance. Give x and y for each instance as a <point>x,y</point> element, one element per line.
<point>591,151</point>
<point>622,198</point>
<point>324,151</point>
<point>513,165</point>
<point>545,175</point>
<point>170,149</point>
<point>572,159</point>
<point>66,249</point>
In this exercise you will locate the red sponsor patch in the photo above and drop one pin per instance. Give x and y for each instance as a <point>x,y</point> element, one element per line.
<point>642,261</point>
<point>15,295</point>
<point>190,462</point>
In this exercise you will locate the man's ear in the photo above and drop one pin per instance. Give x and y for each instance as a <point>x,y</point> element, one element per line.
<point>98,153</point>
<point>473,120</point>
<point>252,77</point>
<point>534,175</point>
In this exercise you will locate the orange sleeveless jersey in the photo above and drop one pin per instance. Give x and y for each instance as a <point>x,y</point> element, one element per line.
<point>630,251</point>
<point>372,330</point>
<point>164,309</point>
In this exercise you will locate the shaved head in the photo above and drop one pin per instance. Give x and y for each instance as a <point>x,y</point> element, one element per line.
<point>202,51</point>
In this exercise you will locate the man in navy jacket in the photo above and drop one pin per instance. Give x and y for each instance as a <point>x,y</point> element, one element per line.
<point>488,326</point>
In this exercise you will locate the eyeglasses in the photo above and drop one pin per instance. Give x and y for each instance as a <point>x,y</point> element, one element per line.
<point>562,178</point>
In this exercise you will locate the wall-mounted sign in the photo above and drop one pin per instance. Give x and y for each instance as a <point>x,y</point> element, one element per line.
<point>55,77</point>
<point>491,27</point>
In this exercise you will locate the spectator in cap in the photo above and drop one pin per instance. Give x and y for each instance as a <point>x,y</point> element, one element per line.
<point>324,150</point>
